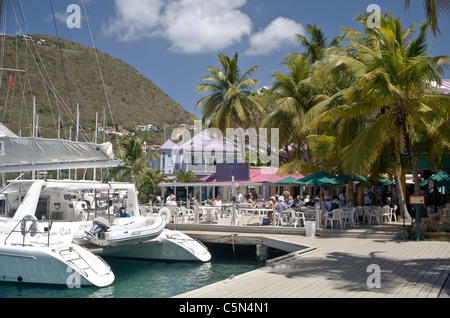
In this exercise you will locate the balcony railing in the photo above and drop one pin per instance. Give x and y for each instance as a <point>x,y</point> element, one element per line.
<point>201,169</point>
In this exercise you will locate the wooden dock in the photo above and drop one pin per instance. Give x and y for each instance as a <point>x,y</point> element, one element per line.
<point>365,262</point>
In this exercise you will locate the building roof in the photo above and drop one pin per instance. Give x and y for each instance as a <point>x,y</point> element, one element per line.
<point>207,140</point>
<point>169,144</point>
<point>445,87</point>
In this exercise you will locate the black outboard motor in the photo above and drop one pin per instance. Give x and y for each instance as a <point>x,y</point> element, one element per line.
<point>100,226</point>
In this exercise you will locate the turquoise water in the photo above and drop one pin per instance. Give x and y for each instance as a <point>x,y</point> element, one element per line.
<point>142,279</point>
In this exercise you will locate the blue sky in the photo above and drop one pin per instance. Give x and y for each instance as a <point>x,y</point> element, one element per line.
<point>171,41</point>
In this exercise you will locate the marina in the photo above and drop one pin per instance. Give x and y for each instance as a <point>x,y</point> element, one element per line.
<point>325,182</point>
<point>260,260</point>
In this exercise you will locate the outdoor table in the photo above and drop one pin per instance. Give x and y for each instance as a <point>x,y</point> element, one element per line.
<point>256,210</point>
<point>208,210</point>
<point>308,212</point>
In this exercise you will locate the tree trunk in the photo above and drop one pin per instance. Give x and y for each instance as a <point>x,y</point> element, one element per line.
<point>412,162</point>
<point>401,197</point>
<point>351,193</point>
<point>360,196</point>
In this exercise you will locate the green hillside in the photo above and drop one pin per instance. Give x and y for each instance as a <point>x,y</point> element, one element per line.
<point>59,84</point>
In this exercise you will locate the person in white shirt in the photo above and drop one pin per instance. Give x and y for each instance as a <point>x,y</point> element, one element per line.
<point>171,200</point>
<point>239,198</point>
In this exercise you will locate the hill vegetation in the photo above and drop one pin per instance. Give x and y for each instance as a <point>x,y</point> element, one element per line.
<point>61,74</point>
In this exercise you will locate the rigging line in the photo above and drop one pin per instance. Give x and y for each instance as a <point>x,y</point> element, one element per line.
<point>3,11</point>
<point>31,51</point>
<point>101,74</point>
<point>37,65</point>
<point>47,82</point>
<point>24,84</point>
<point>18,27</point>
<point>61,55</point>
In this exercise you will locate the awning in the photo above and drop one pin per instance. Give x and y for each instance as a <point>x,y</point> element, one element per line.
<point>258,176</point>
<point>39,154</point>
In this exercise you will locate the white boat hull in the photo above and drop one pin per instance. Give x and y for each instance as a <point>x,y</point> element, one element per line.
<point>69,265</point>
<point>170,245</point>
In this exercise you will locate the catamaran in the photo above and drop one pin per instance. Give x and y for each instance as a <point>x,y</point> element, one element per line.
<point>30,254</point>
<point>104,217</point>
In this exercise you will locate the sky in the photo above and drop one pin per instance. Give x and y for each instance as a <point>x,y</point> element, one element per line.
<point>172,41</point>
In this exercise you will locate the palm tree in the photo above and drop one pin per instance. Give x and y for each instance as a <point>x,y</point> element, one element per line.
<point>183,176</point>
<point>291,96</point>
<point>392,95</point>
<point>433,9</point>
<point>230,102</point>
<point>316,46</point>
<point>136,161</point>
<point>148,181</point>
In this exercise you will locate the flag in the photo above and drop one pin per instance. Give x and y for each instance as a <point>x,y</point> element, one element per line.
<point>10,81</point>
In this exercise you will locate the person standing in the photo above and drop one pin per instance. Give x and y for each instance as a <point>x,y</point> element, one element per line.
<point>239,198</point>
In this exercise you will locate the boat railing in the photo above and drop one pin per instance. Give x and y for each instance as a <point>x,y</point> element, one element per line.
<point>74,258</point>
<point>32,230</point>
<point>183,241</point>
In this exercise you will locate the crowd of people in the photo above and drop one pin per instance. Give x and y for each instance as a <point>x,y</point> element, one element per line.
<point>281,203</point>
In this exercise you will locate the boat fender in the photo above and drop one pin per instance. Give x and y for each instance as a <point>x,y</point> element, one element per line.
<point>166,214</point>
<point>32,229</point>
<point>100,225</point>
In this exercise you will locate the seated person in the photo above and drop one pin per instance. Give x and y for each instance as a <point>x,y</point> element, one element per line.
<point>282,207</point>
<point>123,213</point>
<point>290,202</point>
<point>217,201</point>
<point>260,199</point>
<point>171,200</point>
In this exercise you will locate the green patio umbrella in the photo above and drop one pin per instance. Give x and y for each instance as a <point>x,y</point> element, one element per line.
<point>352,177</point>
<point>288,181</point>
<point>441,178</point>
<point>384,182</point>
<point>319,179</point>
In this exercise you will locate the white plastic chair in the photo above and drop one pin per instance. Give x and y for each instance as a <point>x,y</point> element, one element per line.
<point>295,217</point>
<point>216,213</point>
<point>367,214</point>
<point>336,217</point>
<point>197,212</point>
<point>358,212</point>
<point>283,217</point>
<point>349,217</point>
<point>240,216</point>
<point>185,214</point>
<point>393,214</point>
<point>377,215</point>
<point>386,213</point>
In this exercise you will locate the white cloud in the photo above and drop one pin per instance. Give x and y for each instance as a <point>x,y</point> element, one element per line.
<point>191,26</point>
<point>135,19</point>
<point>278,33</point>
<point>198,26</point>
